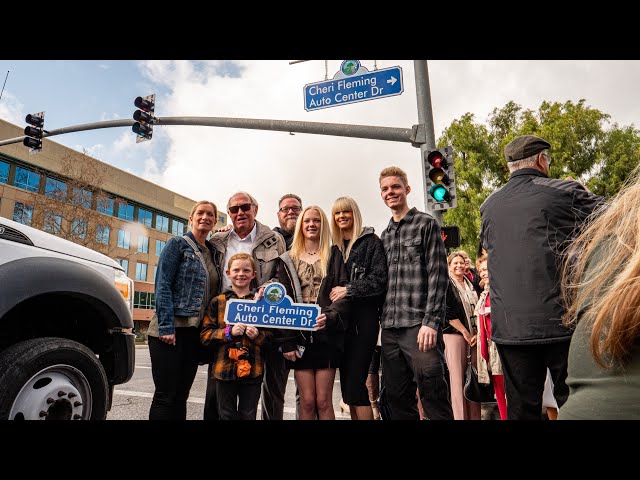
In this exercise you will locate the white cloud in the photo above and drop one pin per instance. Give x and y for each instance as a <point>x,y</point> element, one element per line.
<point>11,109</point>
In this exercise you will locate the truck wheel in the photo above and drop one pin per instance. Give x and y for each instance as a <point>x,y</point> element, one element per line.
<point>52,379</point>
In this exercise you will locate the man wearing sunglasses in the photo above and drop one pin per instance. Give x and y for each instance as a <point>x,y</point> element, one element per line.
<point>247,236</point>
<point>526,225</point>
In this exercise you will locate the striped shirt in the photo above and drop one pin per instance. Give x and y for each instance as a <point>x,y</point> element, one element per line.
<point>418,272</point>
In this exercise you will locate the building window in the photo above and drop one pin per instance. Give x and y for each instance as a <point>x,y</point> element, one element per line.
<point>52,222</point>
<point>23,213</point>
<point>124,264</point>
<point>177,228</point>
<point>105,205</point>
<point>222,218</point>
<point>145,217</point>
<point>125,211</point>
<point>102,234</point>
<point>143,244</point>
<point>162,223</point>
<point>159,247</point>
<point>141,271</point>
<point>124,238</point>
<point>79,228</point>
<point>155,270</point>
<point>146,300</point>
<point>81,197</point>
<point>4,172</point>
<point>27,179</point>
<point>55,189</point>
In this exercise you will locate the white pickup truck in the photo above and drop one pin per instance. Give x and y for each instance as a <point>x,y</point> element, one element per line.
<point>65,327</point>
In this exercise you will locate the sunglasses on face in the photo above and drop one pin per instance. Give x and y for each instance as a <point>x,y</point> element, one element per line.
<point>245,207</point>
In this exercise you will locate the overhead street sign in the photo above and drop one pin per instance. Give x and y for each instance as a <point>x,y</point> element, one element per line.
<point>352,89</point>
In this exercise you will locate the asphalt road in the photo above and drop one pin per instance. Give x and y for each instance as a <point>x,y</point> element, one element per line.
<point>132,400</point>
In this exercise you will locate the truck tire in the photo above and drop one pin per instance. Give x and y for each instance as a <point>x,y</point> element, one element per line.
<point>52,379</point>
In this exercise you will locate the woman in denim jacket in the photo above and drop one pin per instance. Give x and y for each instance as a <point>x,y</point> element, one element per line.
<point>186,280</point>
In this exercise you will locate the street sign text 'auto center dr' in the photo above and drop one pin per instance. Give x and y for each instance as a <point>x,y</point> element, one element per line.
<point>353,83</point>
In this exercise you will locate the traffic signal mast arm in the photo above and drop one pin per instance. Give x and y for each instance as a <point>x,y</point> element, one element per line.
<point>414,135</point>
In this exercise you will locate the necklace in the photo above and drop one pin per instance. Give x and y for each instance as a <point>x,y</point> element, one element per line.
<point>311,253</point>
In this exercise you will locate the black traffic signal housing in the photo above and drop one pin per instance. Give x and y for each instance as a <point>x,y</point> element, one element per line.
<point>33,132</point>
<point>441,179</point>
<point>450,236</point>
<point>144,117</point>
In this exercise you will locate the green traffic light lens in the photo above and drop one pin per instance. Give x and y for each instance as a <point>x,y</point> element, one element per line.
<point>439,193</point>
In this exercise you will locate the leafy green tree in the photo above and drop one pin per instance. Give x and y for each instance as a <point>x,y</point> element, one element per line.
<point>582,146</point>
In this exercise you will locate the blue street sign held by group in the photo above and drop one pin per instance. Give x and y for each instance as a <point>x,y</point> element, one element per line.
<point>274,310</point>
<point>352,84</point>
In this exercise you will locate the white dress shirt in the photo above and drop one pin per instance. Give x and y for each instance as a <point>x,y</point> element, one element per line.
<point>235,244</point>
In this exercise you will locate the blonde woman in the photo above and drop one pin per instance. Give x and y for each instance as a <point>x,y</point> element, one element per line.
<point>602,292</point>
<point>366,266</point>
<point>309,271</point>
<point>460,336</point>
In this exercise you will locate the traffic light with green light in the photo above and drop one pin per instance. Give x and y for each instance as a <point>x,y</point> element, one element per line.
<point>144,117</point>
<point>33,132</point>
<point>441,181</point>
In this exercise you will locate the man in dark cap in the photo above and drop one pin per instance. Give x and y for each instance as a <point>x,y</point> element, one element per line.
<point>526,226</point>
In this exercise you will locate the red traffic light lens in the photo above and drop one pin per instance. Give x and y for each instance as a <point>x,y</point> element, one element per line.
<point>34,120</point>
<point>143,104</point>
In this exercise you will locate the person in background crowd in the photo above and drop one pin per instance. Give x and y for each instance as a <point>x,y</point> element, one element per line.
<point>460,336</point>
<point>308,272</point>
<point>602,291</point>
<point>186,279</point>
<point>471,273</point>
<point>414,309</point>
<point>366,266</point>
<point>247,236</point>
<point>525,228</point>
<point>488,360</point>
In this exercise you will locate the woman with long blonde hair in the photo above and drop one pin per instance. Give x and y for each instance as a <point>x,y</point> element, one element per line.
<point>366,266</point>
<point>601,287</point>
<point>308,272</point>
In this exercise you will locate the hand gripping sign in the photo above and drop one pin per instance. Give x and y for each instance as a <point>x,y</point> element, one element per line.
<point>274,310</point>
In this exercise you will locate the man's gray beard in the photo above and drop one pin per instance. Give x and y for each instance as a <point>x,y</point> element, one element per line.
<point>289,230</point>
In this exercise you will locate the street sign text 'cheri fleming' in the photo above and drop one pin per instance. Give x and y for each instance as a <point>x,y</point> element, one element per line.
<point>353,83</point>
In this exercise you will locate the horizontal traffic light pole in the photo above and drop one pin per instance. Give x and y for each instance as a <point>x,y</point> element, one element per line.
<point>414,135</point>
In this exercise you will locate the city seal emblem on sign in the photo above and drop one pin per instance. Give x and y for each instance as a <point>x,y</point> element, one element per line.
<point>350,67</point>
<point>274,294</point>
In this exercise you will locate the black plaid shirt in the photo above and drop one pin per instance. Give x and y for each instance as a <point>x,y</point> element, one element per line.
<point>418,272</point>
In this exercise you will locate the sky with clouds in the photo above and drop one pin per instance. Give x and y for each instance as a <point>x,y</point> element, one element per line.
<point>213,163</point>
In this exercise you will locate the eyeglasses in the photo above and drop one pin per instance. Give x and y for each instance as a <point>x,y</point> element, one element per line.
<point>245,207</point>
<point>292,209</point>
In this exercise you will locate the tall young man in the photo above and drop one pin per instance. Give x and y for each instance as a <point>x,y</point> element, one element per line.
<point>414,307</point>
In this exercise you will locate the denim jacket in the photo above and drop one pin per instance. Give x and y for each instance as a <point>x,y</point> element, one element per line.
<point>180,282</point>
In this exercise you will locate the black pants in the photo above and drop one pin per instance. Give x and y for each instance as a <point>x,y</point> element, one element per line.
<point>173,368</point>
<point>354,368</point>
<point>405,367</point>
<point>210,401</point>
<point>237,400</point>
<point>525,371</point>
<point>274,385</point>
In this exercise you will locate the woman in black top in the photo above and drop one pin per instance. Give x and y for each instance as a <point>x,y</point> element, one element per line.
<point>367,271</point>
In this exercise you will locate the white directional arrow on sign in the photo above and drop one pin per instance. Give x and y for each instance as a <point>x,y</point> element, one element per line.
<point>392,80</point>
